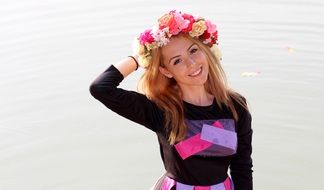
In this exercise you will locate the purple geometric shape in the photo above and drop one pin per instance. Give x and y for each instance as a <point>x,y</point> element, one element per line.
<point>219,136</point>
<point>180,186</point>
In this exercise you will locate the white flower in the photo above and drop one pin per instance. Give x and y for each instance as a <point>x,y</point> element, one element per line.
<point>161,36</point>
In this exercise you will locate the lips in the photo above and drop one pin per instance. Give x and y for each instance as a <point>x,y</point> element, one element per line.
<point>196,73</point>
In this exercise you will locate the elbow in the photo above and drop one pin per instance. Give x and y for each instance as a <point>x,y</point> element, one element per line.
<point>95,90</point>
<point>99,90</point>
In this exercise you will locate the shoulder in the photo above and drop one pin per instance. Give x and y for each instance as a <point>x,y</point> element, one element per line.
<point>239,101</point>
<point>241,106</point>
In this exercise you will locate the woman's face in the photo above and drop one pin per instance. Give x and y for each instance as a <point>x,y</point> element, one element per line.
<point>185,62</point>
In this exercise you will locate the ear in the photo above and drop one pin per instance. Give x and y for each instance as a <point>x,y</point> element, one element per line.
<point>165,72</point>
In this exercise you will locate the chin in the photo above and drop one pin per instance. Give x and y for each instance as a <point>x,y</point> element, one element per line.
<point>198,82</point>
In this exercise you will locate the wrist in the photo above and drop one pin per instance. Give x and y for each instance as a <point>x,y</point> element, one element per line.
<point>135,59</point>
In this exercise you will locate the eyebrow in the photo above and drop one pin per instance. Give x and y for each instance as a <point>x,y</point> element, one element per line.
<point>179,55</point>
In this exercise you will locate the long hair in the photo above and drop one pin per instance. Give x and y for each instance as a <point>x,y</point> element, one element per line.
<point>166,93</point>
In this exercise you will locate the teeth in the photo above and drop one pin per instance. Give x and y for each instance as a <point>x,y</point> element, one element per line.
<point>196,73</point>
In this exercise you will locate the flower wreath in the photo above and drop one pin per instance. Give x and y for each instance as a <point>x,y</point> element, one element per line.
<point>171,24</point>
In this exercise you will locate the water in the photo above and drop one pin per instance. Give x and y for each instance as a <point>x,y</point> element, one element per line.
<point>54,135</point>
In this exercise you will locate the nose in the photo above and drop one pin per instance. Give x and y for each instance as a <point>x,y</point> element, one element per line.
<point>190,61</point>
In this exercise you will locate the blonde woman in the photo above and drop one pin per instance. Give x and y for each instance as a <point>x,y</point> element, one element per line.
<point>203,126</point>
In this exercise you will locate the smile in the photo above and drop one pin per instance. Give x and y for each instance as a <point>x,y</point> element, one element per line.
<point>196,73</point>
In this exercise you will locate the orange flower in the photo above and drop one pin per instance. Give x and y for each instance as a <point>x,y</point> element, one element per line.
<point>165,20</point>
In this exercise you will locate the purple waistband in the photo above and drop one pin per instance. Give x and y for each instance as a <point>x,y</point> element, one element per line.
<point>168,183</point>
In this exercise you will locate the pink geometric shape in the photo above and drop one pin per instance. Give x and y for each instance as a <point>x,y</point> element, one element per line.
<point>227,184</point>
<point>202,187</point>
<point>168,183</point>
<point>218,124</point>
<point>191,146</point>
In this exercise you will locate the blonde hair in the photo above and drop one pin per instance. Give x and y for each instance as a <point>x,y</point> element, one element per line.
<point>167,95</point>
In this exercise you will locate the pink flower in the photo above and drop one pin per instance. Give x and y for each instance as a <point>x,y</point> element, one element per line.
<point>146,37</point>
<point>181,22</point>
<point>211,28</point>
<point>191,20</point>
<point>173,27</point>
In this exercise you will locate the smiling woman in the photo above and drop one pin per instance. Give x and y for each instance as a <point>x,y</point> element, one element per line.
<point>203,127</point>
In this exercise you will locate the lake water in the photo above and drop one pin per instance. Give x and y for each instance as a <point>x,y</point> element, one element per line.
<point>55,136</point>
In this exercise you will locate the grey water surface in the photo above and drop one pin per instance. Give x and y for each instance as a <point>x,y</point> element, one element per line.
<point>55,136</point>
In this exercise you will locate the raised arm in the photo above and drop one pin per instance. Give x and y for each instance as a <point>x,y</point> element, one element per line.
<point>129,104</point>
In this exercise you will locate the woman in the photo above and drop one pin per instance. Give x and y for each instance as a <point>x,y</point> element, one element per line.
<point>203,126</point>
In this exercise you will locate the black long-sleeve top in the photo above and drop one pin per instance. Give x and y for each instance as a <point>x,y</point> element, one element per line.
<point>214,141</point>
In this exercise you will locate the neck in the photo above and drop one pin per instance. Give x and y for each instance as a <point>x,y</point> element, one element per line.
<point>196,95</point>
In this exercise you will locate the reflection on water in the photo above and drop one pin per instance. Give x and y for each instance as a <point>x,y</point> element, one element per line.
<point>54,135</point>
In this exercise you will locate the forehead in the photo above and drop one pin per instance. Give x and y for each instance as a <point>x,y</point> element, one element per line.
<point>175,46</point>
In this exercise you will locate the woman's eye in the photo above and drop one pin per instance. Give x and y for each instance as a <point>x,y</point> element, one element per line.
<point>176,61</point>
<point>193,50</point>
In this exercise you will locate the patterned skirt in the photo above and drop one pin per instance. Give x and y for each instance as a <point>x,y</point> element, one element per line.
<point>166,183</point>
